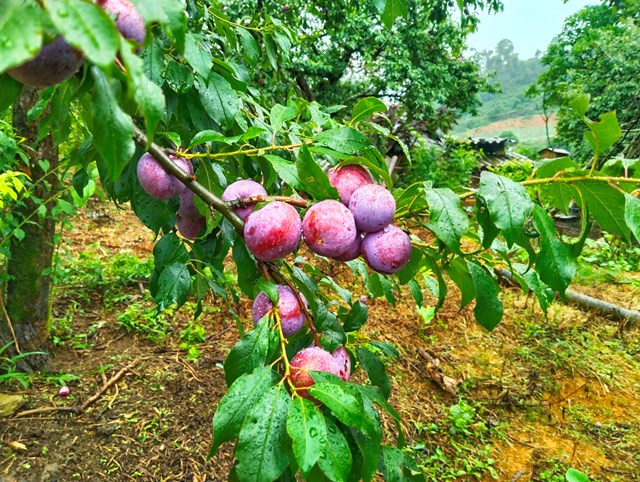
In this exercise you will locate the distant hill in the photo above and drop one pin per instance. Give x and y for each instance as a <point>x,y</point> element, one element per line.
<point>529,130</point>
<point>511,77</point>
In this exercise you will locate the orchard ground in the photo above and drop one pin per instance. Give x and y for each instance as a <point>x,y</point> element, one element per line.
<point>522,403</point>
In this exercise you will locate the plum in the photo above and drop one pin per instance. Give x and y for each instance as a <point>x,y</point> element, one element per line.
<point>188,209</point>
<point>157,182</point>
<point>387,251</point>
<point>190,228</point>
<point>347,179</point>
<point>291,315</point>
<point>128,20</point>
<point>342,358</point>
<point>329,228</point>
<point>312,358</point>
<point>55,63</point>
<point>273,231</point>
<point>352,251</point>
<point>64,391</point>
<point>241,189</point>
<point>373,207</point>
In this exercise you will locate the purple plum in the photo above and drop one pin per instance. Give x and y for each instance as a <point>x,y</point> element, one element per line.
<point>352,251</point>
<point>273,232</point>
<point>157,182</point>
<point>55,63</point>
<point>387,251</point>
<point>373,207</point>
<point>291,315</point>
<point>190,228</point>
<point>312,358</point>
<point>128,20</point>
<point>347,179</point>
<point>188,209</point>
<point>241,189</point>
<point>342,358</point>
<point>329,228</point>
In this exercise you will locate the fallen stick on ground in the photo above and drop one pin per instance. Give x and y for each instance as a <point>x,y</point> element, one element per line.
<point>82,408</point>
<point>588,303</point>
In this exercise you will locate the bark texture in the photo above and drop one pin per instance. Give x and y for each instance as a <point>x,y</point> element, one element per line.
<point>27,294</point>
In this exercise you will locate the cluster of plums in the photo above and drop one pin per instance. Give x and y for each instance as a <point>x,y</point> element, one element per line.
<point>57,61</point>
<point>162,185</point>
<point>360,224</point>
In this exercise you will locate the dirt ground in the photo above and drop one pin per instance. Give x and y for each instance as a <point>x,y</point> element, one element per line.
<point>554,392</point>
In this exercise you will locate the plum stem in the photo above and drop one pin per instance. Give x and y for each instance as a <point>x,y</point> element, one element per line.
<point>247,201</point>
<point>275,273</point>
<point>188,180</point>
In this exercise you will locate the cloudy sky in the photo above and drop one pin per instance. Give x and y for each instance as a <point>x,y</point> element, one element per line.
<point>529,24</point>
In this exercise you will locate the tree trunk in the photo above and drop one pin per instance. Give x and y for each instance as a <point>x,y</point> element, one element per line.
<point>27,294</point>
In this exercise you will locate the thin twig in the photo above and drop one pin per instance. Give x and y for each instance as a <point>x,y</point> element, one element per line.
<point>247,201</point>
<point>13,333</point>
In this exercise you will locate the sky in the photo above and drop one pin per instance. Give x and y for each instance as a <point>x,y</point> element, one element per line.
<point>529,24</point>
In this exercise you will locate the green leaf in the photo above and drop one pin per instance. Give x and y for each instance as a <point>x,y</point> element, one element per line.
<point>307,429</point>
<point>508,203</point>
<point>9,91</point>
<point>392,10</point>
<point>392,464</point>
<point>607,205</point>
<point>555,264</point>
<point>343,139</point>
<point>368,441</point>
<point>632,214</point>
<point>87,27</point>
<point>376,397</point>
<point>412,267</point>
<point>365,108</point>
<point>264,447</point>
<point>173,286</point>
<point>169,250</point>
<point>219,99</point>
<point>345,406</point>
<point>314,180</point>
<point>170,13</point>
<point>212,136</point>
<point>197,54</point>
<point>375,370</point>
<point>280,114</point>
<point>236,403</point>
<point>250,49</point>
<point>357,317</point>
<point>154,214</point>
<point>248,272</point>
<point>146,94</point>
<point>488,310</point>
<point>550,167</point>
<point>574,475</point>
<point>533,282</point>
<point>250,352</point>
<point>287,171</point>
<point>447,219</point>
<point>460,275</point>
<point>21,33</point>
<point>335,460</point>
<point>112,128</point>
<point>580,104</point>
<point>603,134</point>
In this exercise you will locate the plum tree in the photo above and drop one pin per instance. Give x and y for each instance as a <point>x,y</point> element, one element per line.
<point>346,179</point>
<point>342,358</point>
<point>373,207</point>
<point>55,63</point>
<point>241,189</point>
<point>156,181</point>
<point>329,228</point>
<point>387,251</point>
<point>128,20</point>
<point>291,315</point>
<point>190,228</point>
<point>313,358</point>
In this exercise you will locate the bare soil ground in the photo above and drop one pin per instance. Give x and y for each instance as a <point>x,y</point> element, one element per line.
<point>547,393</point>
